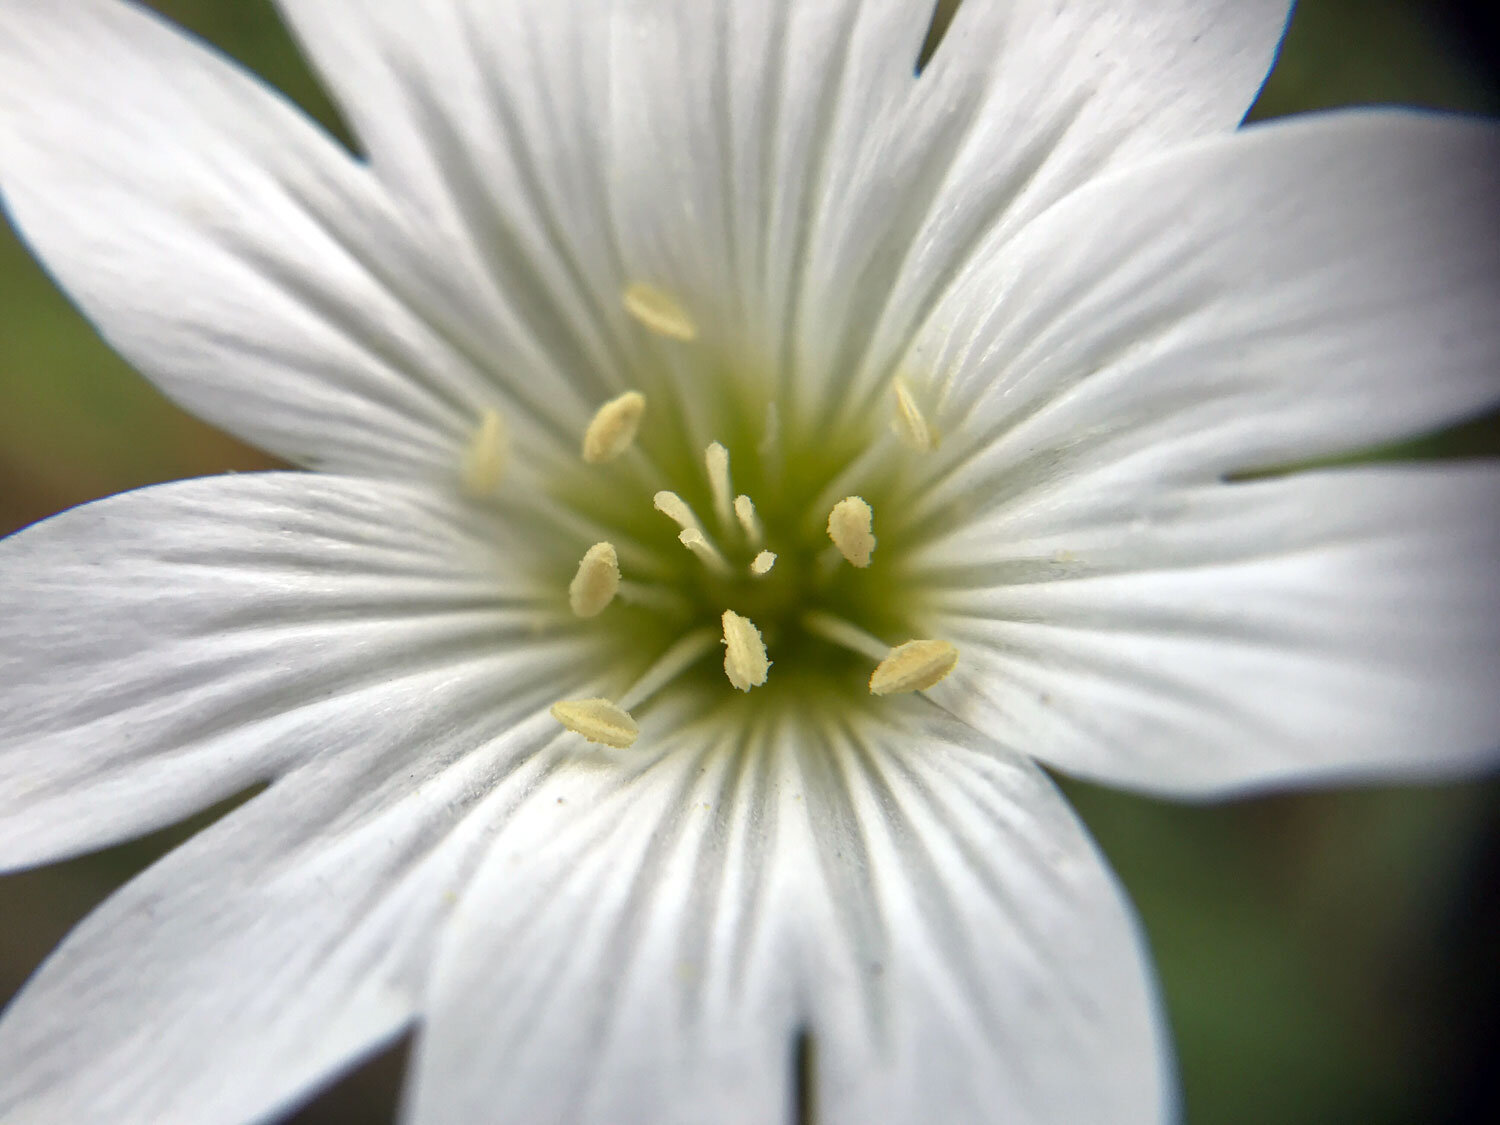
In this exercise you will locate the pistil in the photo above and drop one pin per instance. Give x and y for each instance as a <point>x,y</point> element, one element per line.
<point>744,511</point>
<point>739,563</point>
<point>695,541</point>
<point>716,460</point>
<point>676,509</point>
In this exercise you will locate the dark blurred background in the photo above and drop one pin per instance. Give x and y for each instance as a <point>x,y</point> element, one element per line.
<point>1325,958</point>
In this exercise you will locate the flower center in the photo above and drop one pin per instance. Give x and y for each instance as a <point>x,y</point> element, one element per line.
<point>764,563</point>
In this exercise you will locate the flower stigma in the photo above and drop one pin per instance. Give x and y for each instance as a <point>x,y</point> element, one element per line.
<point>719,518</point>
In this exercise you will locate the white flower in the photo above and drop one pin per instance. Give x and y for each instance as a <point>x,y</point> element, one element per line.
<point>1006,356</point>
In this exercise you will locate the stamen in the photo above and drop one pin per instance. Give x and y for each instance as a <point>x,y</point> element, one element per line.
<point>653,596</point>
<point>745,660</point>
<point>846,635</point>
<point>762,563</point>
<point>613,428</point>
<point>914,666</point>
<point>716,457</point>
<point>873,460</point>
<point>850,526</point>
<point>598,720</point>
<point>671,664</point>
<point>910,427</point>
<point>744,510</point>
<point>658,310</point>
<point>483,465</point>
<point>676,509</point>
<point>695,541</point>
<point>597,581</point>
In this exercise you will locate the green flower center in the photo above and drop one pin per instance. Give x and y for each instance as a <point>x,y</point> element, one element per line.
<point>769,568</point>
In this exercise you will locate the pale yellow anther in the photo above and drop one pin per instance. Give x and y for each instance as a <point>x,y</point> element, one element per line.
<point>744,510</point>
<point>695,541</point>
<point>598,720</point>
<point>716,459</point>
<point>597,581</point>
<point>745,660</point>
<point>762,563</point>
<point>613,428</point>
<point>909,424</point>
<point>485,458</point>
<point>850,526</point>
<point>676,509</point>
<point>658,310</point>
<point>914,666</point>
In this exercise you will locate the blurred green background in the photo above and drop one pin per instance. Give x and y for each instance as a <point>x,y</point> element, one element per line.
<point>1325,958</point>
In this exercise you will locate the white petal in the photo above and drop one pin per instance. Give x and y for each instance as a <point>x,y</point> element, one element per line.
<point>647,944</point>
<point>824,188</point>
<point>775,165</point>
<point>623,954</point>
<point>244,262</point>
<point>1207,638</point>
<point>272,950</point>
<point>1022,104</point>
<point>970,955</point>
<point>1305,288</point>
<point>491,118</point>
<point>164,648</point>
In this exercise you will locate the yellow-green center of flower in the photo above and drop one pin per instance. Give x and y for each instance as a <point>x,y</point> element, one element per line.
<point>768,563</point>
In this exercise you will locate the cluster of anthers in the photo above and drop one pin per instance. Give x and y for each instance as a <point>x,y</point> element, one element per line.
<point>735,556</point>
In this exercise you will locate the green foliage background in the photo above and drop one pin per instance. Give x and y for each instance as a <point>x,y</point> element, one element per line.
<point>1304,942</point>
